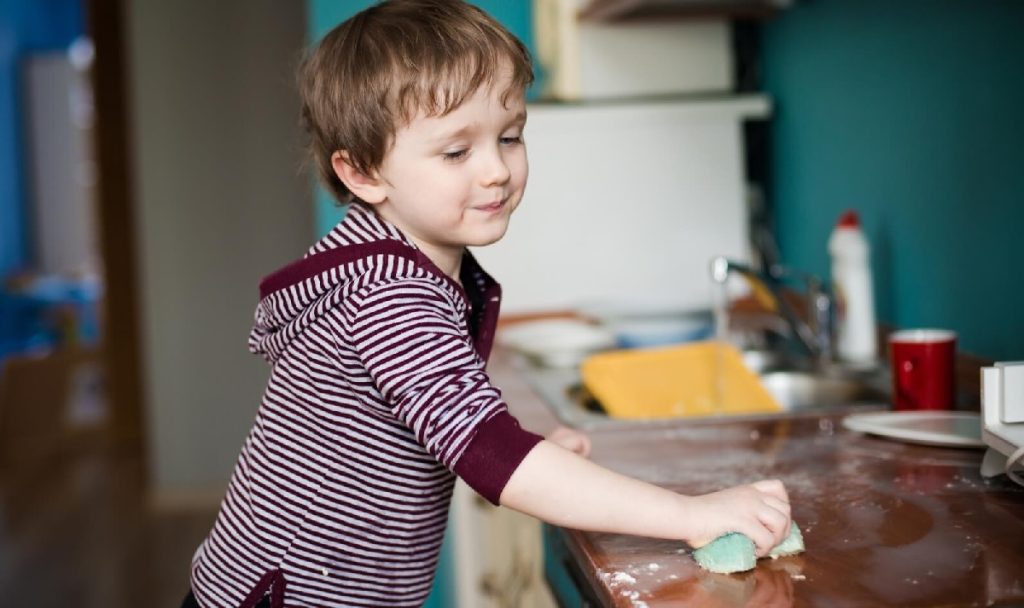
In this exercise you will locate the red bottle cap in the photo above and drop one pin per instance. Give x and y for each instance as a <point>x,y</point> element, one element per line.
<point>850,219</point>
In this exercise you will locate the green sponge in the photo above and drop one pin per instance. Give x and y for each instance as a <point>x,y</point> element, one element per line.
<point>734,552</point>
<point>791,545</point>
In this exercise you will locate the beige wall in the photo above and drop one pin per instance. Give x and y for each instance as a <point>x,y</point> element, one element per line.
<point>221,202</point>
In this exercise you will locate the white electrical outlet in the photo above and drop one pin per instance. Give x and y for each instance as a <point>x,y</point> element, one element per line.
<point>1002,402</point>
<point>1012,397</point>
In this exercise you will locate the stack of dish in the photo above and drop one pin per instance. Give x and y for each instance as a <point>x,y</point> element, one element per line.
<point>556,342</point>
<point>642,326</point>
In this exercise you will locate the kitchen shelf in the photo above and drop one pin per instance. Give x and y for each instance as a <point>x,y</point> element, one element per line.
<point>616,11</point>
<point>743,106</point>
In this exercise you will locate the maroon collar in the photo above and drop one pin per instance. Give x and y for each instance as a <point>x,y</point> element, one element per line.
<point>313,265</point>
<point>479,290</point>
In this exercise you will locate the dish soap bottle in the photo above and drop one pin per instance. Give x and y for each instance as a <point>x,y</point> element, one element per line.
<point>851,280</point>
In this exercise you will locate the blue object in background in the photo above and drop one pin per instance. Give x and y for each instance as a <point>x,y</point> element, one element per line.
<point>28,315</point>
<point>22,325</point>
<point>48,312</point>
<point>665,330</point>
<point>909,112</point>
<point>26,26</point>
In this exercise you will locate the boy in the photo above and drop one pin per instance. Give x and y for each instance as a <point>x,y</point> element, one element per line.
<point>378,339</point>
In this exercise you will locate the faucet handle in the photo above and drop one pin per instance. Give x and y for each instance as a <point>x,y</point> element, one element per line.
<point>719,268</point>
<point>760,283</point>
<point>821,304</point>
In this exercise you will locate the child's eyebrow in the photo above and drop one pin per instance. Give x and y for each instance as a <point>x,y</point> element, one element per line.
<point>460,132</point>
<point>464,130</point>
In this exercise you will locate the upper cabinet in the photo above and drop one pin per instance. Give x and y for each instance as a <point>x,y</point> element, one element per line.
<point>620,49</point>
<point>657,10</point>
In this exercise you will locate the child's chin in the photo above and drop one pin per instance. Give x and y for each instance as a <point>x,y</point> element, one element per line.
<point>489,236</point>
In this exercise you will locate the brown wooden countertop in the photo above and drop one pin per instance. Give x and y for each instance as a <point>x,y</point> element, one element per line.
<point>885,523</point>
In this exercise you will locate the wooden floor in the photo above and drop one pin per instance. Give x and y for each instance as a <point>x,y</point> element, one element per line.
<point>76,531</point>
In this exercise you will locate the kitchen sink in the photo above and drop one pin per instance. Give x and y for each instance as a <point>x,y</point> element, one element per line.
<point>801,390</point>
<point>796,390</point>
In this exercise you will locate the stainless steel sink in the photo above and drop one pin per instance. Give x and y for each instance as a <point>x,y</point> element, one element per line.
<point>801,390</point>
<point>797,391</point>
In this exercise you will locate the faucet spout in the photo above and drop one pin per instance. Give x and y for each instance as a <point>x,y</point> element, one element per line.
<point>813,334</point>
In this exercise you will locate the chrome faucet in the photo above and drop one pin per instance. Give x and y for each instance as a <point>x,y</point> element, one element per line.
<point>815,334</point>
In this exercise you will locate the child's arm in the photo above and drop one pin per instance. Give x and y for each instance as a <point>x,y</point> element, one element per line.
<point>557,486</point>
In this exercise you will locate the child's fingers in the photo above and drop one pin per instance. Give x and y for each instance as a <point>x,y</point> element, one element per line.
<point>763,538</point>
<point>578,444</point>
<point>774,523</point>
<point>571,440</point>
<point>778,505</point>
<point>584,446</point>
<point>775,520</point>
<point>772,487</point>
<point>559,434</point>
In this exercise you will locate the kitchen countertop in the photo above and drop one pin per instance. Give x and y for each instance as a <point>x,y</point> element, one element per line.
<point>885,523</point>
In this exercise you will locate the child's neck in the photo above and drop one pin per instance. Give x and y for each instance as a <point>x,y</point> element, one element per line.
<point>448,260</point>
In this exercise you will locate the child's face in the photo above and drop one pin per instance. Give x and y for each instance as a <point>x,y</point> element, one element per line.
<point>454,180</point>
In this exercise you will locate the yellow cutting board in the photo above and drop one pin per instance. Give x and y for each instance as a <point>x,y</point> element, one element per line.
<point>695,379</point>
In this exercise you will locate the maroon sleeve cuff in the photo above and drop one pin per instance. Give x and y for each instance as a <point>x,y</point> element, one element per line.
<point>493,454</point>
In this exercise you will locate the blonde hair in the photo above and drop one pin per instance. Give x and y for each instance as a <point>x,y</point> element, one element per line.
<point>372,74</point>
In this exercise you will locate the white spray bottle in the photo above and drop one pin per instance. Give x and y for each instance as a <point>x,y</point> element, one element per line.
<point>851,280</point>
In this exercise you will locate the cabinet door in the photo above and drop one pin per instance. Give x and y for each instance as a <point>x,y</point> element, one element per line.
<point>499,557</point>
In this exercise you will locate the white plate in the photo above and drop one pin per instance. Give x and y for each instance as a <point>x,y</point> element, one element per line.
<point>556,342</point>
<point>949,429</point>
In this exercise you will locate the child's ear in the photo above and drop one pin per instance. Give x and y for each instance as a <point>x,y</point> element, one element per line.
<point>367,188</point>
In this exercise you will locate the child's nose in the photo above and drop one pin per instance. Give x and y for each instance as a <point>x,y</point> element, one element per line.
<point>495,170</point>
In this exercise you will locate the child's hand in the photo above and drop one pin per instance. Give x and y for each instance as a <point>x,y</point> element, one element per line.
<point>760,510</point>
<point>570,439</point>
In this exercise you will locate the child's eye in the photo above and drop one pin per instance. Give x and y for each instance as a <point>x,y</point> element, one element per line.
<point>511,141</point>
<point>455,154</point>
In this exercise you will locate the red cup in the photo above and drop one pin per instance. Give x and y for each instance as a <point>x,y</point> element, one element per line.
<point>923,369</point>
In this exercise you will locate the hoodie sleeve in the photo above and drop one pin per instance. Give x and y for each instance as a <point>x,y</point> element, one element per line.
<point>409,338</point>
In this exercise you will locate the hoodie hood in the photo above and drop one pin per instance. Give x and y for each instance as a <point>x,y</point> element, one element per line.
<point>295,296</point>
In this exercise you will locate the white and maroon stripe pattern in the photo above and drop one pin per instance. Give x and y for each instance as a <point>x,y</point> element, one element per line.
<point>377,393</point>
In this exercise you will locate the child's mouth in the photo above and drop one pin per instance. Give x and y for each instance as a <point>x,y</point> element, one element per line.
<point>491,207</point>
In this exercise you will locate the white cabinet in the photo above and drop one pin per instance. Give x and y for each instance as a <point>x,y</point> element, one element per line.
<point>499,558</point>
<point>630,199</point>
<point>584,60</point>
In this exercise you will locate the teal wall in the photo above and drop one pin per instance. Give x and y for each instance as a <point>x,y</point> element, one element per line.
<point>323,15</point>
<point>911,112</point>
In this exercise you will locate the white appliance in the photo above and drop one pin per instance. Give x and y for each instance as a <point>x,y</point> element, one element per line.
<point>626,201</point>
<point>1002,411</point>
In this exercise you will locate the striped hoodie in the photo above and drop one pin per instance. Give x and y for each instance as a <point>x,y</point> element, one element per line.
<point>378,396</point>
